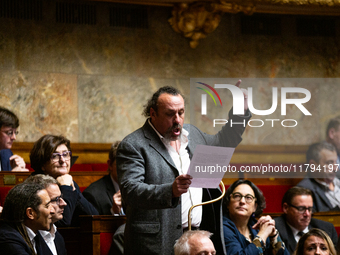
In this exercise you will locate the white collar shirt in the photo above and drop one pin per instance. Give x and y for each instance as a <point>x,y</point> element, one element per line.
<point>49,237</point>
<point>332,195</point>
<point>31,236</point>
<point>182,162</point>
<point>116,186</point>
<point>296,232</point>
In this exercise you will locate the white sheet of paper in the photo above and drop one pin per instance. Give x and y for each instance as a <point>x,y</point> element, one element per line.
<point>208,165</point>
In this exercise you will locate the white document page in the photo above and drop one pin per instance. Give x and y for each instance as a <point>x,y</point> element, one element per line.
<point>208,165</point>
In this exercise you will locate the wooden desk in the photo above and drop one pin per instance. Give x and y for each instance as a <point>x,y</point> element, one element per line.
<point>85,240</point>
<point>92,226</point>
<point>83,179</point>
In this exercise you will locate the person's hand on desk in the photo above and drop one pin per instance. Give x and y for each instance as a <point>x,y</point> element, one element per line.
<point>17,163</point>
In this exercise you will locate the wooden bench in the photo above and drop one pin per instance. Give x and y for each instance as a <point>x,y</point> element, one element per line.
<point>244,154</point>
<point>83,179</point>
<point>94,236</point>
<point>9,179</point>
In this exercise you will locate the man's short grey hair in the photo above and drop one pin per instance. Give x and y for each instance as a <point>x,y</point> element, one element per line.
<point>43,179</point>
<point>314,150</point>
<point>182,246</point>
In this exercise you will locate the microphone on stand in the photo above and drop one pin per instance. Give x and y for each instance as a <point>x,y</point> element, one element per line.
<point>205,203</point>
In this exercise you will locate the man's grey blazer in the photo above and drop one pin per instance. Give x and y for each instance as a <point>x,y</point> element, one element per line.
<point>320,202</point>
<point>287,237</point>
<point>146,172</point>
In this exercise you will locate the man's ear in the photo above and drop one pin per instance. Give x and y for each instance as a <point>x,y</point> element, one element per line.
<point>30,213</point>
<point>331,133</point>
<point>109,165</point>
<point>285,208</point>
<point>153,113</point>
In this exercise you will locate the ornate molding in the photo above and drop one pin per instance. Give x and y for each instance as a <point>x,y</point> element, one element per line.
<point>247,7</point>
<point>302,2</point>
<point>196,20</point>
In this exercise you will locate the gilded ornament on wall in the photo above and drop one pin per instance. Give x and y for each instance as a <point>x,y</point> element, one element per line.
<point>195,21</point>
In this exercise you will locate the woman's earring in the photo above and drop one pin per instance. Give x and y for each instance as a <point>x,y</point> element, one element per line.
<point>253,215</point>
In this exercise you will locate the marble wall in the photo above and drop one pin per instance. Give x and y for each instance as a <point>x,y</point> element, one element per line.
<point>90,82</point>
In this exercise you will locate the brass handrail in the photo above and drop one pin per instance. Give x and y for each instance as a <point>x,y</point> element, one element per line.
<point>205,203</point>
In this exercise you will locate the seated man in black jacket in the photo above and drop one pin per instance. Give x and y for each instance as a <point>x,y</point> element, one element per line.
<point>297,205</point>
<point>27,209</point>
<point>105,195</point>
<point>52,241</point>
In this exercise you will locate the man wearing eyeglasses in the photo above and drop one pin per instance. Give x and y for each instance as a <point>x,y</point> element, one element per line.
<point>27,210</point>
<point>9,123</point>
<point>52,243</point>
<point>297,206</point>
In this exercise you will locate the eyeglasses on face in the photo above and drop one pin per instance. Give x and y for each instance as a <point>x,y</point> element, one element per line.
<point>57,156</point>
<point>238,197</point>
<point>57,199</point>
<point>302,209</point>
<point>10,132</point>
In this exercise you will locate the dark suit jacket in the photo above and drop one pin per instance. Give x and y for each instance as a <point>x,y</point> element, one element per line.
<point>76,205</point>
<point>59,244</point>
<point>5,154</point>
<point>287,234</point>
<point>146,172</point>
<point>100,195</point>
<point>320,201</point>
<point>11,242</point>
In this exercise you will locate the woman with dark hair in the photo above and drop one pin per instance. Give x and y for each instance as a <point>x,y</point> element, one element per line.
<point>315,241</point>
<point>51,155</point>
<point>243,235</point>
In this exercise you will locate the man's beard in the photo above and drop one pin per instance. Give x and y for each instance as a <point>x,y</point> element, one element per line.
<point>167,136</point>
